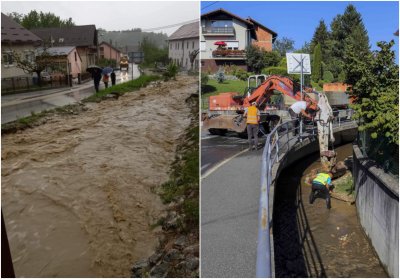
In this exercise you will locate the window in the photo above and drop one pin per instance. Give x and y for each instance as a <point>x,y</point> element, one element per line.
<point>29,56</point>
<point>61,40</point>
<point>203,46</point>
<point>75,56</point>
<point>183,44</point>
<point>101,48</point>
<point>232,45</point>
<point>193,45</point>
<point>187,44</point>
<point>7,59</point>
<point>170,46</point>
<point>221,23</point>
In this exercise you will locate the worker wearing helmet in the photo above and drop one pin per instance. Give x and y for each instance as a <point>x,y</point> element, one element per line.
<point>253,118</point>
<point>297,110</point>
<point>321,184</point>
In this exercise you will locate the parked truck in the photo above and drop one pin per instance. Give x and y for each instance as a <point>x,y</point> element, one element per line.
<point>124,63</point>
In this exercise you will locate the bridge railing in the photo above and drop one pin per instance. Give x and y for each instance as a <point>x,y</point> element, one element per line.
<point>278,142</point>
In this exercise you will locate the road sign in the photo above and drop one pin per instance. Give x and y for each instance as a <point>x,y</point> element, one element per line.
<point>295,61</point>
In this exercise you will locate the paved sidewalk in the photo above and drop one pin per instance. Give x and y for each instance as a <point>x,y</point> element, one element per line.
<point>229,217</point>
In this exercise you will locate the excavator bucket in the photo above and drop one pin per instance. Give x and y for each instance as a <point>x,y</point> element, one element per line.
<point>231,122</point>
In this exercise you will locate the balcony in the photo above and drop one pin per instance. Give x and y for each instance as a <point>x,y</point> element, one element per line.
<point>218,31</point>
<point>229,53</point>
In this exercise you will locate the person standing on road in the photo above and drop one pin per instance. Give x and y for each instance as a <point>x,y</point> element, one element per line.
<point>297,110</point>
<point>321,183</point>
<point>96,75</point>
<point>112,78</point>
<point>105,80</point>
<point>253,118</point>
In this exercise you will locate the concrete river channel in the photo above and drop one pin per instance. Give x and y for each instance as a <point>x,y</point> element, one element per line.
<point>311,241</point>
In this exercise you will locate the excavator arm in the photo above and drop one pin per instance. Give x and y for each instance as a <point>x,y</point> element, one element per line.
<point>262,95</point>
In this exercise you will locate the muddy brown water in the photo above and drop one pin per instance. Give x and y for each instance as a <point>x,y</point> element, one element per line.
<point>77,191</point>
<point>311,241</point>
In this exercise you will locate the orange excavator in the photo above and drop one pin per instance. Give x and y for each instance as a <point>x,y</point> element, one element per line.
<point>227,109</point>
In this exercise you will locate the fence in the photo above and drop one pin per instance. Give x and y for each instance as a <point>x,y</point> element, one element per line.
<point>26,84</point>
<point>381,151</point>
<point>278,143</point>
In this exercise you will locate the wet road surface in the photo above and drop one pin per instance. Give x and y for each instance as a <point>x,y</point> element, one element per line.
<point>216,149</point>
<point>21,105</point>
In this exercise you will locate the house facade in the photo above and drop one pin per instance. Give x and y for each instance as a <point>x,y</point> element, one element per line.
<point>17,39</point>
<point>182,43</point>
<point>65,60</point>
<point>236,33</point>
<point>107,51</point>
<point>83,37</point>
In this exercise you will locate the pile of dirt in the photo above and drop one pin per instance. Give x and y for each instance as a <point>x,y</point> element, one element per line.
<point>77,190</point>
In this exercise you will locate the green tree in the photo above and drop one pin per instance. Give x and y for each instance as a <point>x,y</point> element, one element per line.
<point>284,45</point>
<point>317,64</point>
<point>375,86</point>
<point>255,58</point>
<point>328,76</point>
<point>39,20</point>
<point>321,36</point>
<point>346,29</point>
<point>271,58</point>
<point>152,53</point>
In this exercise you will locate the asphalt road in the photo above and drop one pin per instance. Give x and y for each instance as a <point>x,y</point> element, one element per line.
<point>21,105</point>
<point>229,217</point>
<point>230,192</point>
<point>217,149</point>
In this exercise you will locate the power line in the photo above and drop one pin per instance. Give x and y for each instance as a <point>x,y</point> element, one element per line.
<point>210,5</point>
<point>169,26</point>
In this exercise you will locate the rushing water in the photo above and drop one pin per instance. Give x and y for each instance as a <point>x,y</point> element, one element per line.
<point>312,241</point>
<point>77,191</point>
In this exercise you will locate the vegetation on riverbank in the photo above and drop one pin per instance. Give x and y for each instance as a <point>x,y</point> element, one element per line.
<point>122,88</point>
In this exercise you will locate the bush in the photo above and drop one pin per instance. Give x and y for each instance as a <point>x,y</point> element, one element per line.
<point>204,81</point>
<point>328,76</point>
<point>241,74</point>
<point>220,76</point>
<point>275,71</point>
<point>172,70</point>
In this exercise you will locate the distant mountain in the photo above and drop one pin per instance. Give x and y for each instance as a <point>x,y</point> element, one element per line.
<point>131,38</point>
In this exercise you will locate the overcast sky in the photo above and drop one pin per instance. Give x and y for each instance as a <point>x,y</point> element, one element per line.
<point>113,16</point>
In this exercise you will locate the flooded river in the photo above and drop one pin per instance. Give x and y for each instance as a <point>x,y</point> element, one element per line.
<point>311,241</point>
<point>77,191</point>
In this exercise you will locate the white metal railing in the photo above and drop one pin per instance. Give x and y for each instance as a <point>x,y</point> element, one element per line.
<point>279,141</point>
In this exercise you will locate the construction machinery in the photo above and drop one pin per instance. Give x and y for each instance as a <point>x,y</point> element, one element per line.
<point>124,63</point>
<point>226,110</point>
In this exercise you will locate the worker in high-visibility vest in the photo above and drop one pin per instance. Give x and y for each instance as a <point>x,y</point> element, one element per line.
<point>253,118</point>
<point>321,183</point>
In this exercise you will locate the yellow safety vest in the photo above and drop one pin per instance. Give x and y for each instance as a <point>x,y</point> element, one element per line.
<point>322,178</point>
<point>252,115</point>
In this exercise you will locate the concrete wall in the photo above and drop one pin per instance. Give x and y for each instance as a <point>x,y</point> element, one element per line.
<point>377,200</point>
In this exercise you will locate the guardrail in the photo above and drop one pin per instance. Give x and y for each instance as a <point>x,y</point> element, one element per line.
<point>277,144</point>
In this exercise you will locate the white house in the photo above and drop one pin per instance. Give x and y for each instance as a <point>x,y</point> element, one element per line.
<point>182,43</point>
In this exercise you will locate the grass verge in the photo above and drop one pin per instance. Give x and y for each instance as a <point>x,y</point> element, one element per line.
<point>184,177</point>
<point>214,88</point>
<point>122,88</point>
